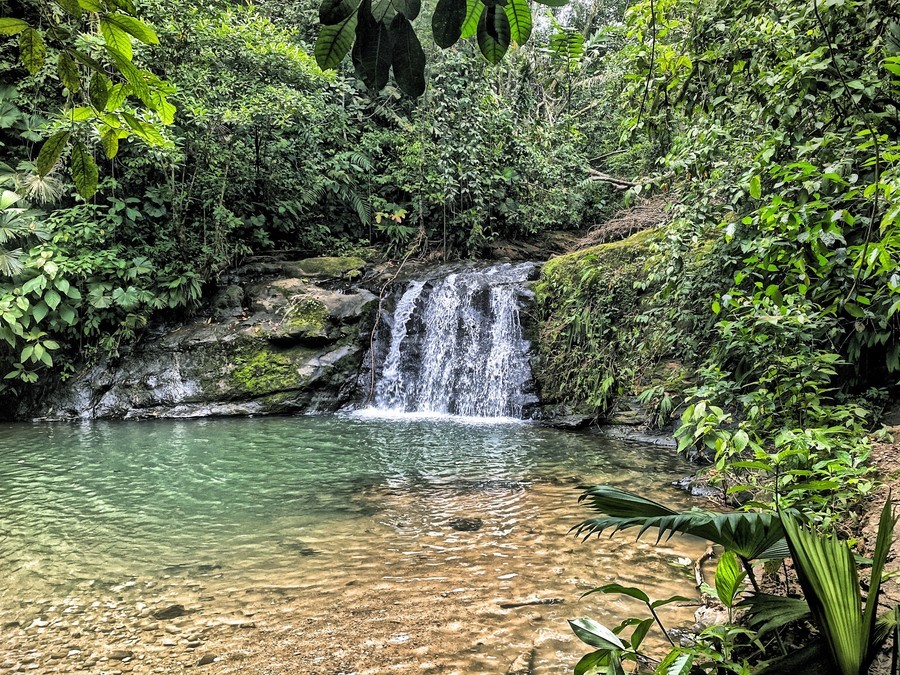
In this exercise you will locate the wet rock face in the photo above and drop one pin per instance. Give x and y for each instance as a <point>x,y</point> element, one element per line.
<point>269,345</point>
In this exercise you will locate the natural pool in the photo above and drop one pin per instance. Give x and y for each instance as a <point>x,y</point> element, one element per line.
<point>334,544</point>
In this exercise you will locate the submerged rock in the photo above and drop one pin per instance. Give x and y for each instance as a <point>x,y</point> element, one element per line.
<point>170,612</point>
<point>281,345</point>
<point>466,524</point>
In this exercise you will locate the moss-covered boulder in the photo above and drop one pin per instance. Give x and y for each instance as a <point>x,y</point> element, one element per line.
<point>596,338</point>
<point>339,267</point>
<point>279,346</point>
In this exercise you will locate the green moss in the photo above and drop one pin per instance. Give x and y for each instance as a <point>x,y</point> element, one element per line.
<point>307,316</point>
<point>263,371</point>
<point>343,267</point>
<point>595,333</point>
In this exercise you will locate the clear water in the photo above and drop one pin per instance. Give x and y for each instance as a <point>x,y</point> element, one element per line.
<point>332,533</point>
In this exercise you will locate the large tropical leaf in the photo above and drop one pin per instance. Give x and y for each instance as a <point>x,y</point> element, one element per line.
<point>827,573</point>
<point>493,33</point>
<point>750,535</point>
<point>372,51</point>
<point>332,12</point>
<point>474,9</point>
<point>767,612</point>
<point>519,15</point>
<point>334,42</point>
<point>407,57</point>
<point>447,22</point>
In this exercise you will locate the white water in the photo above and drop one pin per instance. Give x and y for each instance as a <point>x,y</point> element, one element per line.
<point>454,346</point>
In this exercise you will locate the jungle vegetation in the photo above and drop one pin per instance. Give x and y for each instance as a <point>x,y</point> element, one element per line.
<point>146,149</point>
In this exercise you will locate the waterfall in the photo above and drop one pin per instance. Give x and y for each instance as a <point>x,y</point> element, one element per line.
<point>455,345</point>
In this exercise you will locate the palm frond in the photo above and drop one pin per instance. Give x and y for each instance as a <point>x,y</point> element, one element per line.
<point>767,612</point>
<point>10,264</point>
<point>827,573</point>
<point>750,535</point>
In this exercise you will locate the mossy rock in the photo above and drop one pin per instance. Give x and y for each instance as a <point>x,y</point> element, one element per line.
<point>265,371</point>
<point>594,339</point>
<point>343,267</point>
<point>306,319</point>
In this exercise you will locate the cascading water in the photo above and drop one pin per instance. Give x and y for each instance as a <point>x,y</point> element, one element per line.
<point>455,345</point>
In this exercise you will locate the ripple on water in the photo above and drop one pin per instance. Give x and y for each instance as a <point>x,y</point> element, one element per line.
<point>317,527</point>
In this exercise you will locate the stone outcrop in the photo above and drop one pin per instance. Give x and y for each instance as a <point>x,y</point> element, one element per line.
<point>278,338</point>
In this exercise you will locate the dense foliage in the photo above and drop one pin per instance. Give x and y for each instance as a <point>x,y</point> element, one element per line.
<point>145,152</point>
<point>265,151</point>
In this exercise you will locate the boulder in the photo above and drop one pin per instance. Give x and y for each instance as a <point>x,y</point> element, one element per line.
<point>280,346</point>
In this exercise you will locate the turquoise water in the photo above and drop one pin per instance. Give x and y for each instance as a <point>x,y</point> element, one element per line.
<point>219,512</point>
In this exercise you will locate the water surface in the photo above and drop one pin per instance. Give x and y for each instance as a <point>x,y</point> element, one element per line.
<point>315,544</point>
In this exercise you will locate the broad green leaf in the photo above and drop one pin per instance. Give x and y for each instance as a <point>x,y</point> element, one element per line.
<point>680,665</point>
<point>493,33</point>
<point>70,6</point>
<point>91,5</point>
<point>589,662</point>
<point>474,10</point>
<point>86,60</point>
<point>32,50</point>
<point>447,22</point>
<point>67,314</point>
<point>755,187</point>
<point>124,5</point>
<point>729,578</point>
<point>68,72</point>
<point>333,12</point>
<point>98,90</point>
<point>595,634</point>
<point>8,198</point>
<point>640,632</point>
<point>117,95</point>
<point>144,130</point>
<point>618,589</point>
<point>134,76</point>
<point>39,311</point>
<point>519,15</point>
<point>386,10</point>
<point>34,284</point>
<point>117,38</point>
<point>162,107</point>
<point>372,50</point>
<point>334,42</point>
<point>668,601</point>
<point>84,171</point>
<point>79,114</point>
<point>766,612</point>
<point>109,139</point>
<point>750,535</point>
<point>408,58</point>
<point>51,151</point>
<point>52,298</point>
<point>11,26</point>
<point>134,27</point>
<point>883,542</point>
<point>827,573</point>
<point>554,3</point>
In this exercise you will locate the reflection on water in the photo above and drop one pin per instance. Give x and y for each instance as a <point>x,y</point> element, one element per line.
<point>314,544</point>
